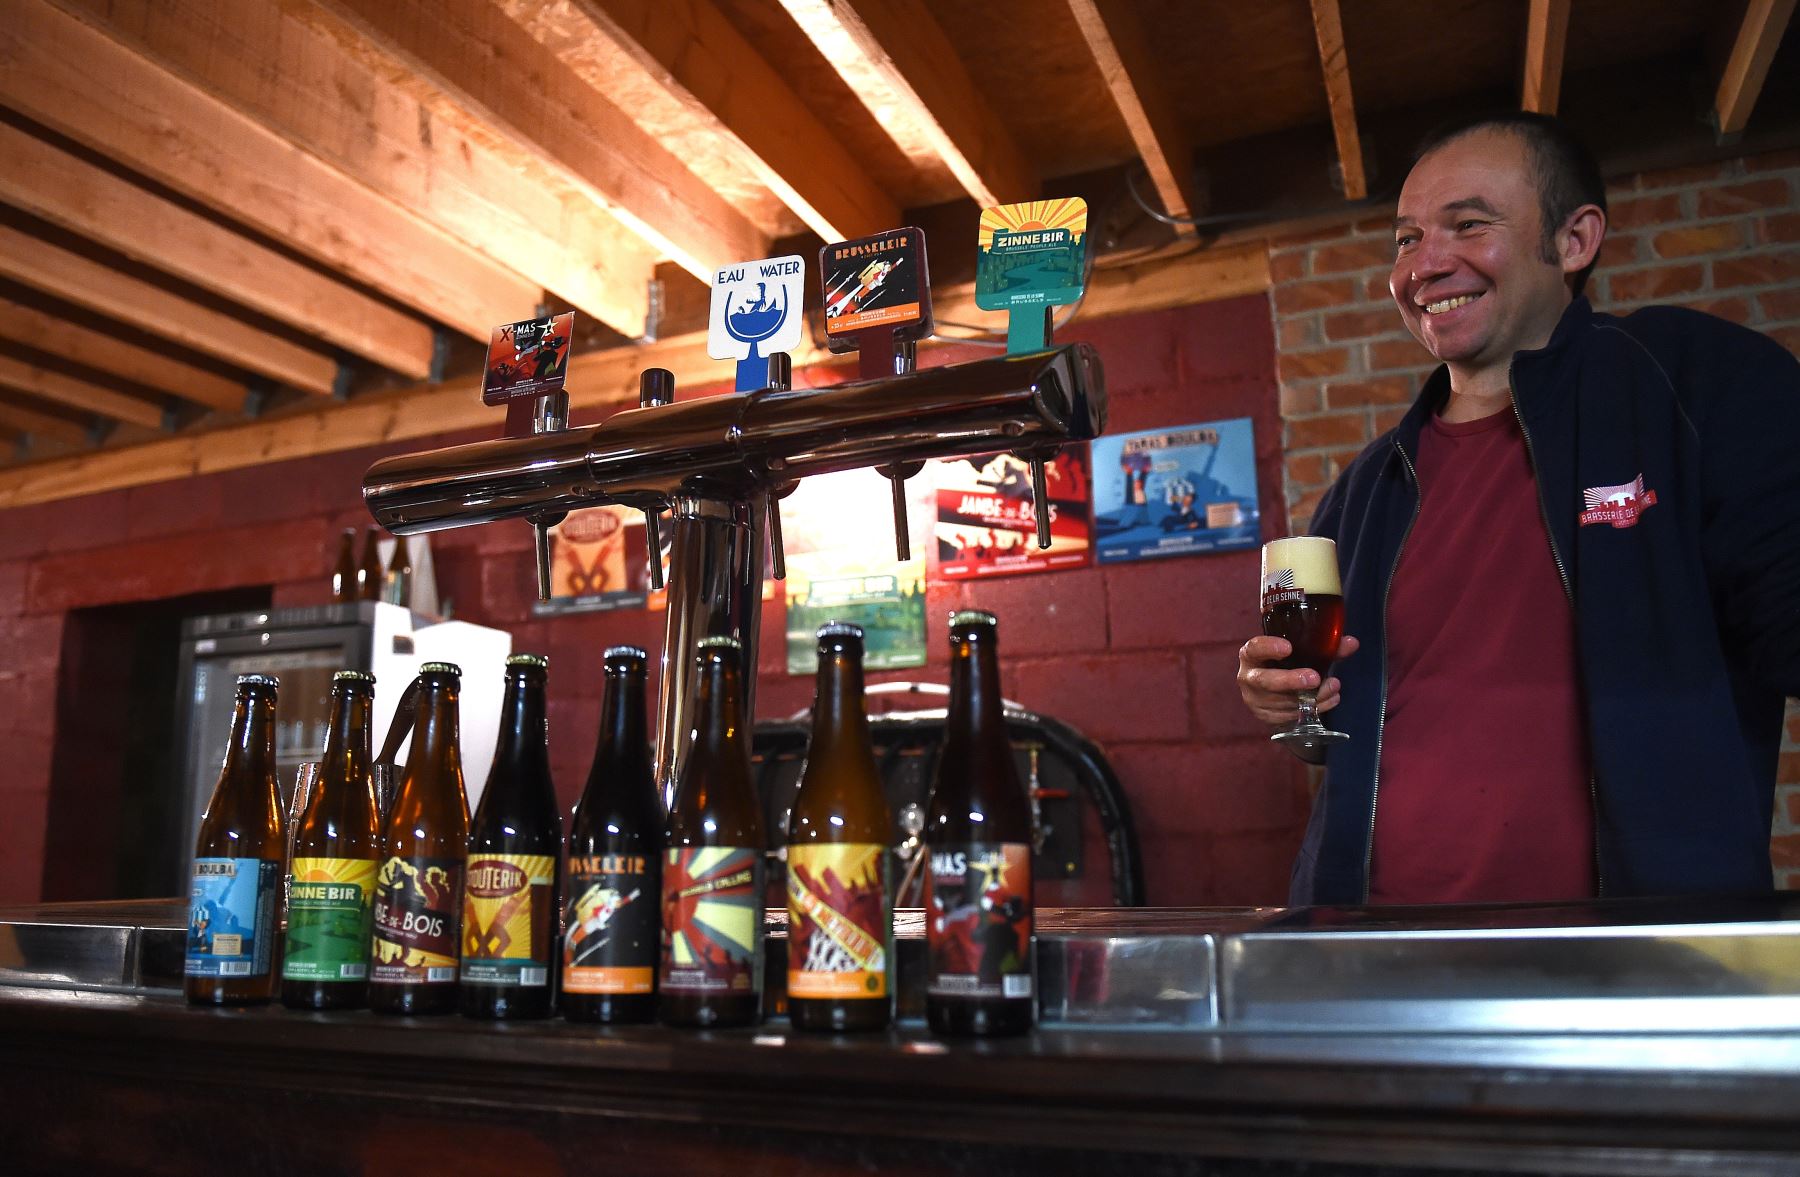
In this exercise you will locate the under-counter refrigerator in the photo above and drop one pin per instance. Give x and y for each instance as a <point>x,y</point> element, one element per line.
<point>304,648</point>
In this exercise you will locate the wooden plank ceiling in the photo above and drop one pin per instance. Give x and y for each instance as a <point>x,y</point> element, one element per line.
<point>233,231</point>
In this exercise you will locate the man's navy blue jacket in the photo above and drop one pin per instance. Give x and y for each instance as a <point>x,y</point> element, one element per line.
<point>1687,620</point>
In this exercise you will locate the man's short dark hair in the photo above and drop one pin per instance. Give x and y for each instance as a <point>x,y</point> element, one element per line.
<point>1565,172</point>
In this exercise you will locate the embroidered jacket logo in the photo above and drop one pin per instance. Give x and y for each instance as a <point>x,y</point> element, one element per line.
<point>1618,505</point>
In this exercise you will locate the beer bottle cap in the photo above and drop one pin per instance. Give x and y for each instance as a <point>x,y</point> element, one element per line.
<point>721,642</point>
<point>536,661</point>
<point>624,657</point>
<point>449,668</point>
<point>840,629</point>
<point>973,617</point>
<point>259,680</point>
<point>357,676</point>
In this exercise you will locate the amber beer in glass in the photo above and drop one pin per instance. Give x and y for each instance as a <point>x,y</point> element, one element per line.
<point>337,854</point>
<point>840,913</point>
<point>712,882</point>
<point>512,903</point>
<point>978,841</point>
<point>610,930</point>
<point>1303,602</point>
<point>238,862</point>
<point>425,844</point>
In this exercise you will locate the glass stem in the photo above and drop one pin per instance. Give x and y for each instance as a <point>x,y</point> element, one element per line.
<point>1309,709</point>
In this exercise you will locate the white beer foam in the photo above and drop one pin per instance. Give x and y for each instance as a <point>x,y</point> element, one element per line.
<point>1311,558</point>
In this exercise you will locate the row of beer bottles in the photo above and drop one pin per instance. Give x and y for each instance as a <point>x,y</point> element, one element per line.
<point>703,965</point>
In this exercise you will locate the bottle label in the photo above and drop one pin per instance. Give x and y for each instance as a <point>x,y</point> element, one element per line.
<point>509,910</point>
<point>415,921</point>
<point>231,917</point>
<point>712,920</point>
<point>330,912</point>
<point>837,920</point>
<point>611,943</point>
<point>978,920</point>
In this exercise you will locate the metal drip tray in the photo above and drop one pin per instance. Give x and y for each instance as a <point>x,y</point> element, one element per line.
<point>1600,968</point>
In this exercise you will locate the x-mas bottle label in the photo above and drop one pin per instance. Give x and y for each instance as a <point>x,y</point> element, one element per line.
<point>978,920</point>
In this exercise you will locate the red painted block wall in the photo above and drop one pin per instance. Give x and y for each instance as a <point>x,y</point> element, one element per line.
<point>1140,657</point>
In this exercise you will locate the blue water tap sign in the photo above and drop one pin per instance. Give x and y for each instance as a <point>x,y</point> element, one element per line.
<point>757,308</point>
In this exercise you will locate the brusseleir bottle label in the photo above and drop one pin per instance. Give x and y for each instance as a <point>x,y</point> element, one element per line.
<point>415,921</point>
<point>330,914</point>
<point>508,914</point>
<point>837,920</point>
<point>231,917</point>
<point>978,920</point>
<point>611,942</point>
<point>712,909</point>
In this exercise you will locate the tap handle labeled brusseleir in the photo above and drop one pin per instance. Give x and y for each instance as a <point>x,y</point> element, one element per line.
<point>656,387</point>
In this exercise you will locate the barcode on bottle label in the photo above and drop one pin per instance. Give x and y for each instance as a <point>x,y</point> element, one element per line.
<point>353,972</point>
<point>439,973</point>
<point>1016,986</point>
<point>534,976</point>
<point>234,968</point>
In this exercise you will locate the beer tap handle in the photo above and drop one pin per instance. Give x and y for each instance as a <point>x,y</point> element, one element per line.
<point>656,387</point>
<point>781,378</point>
<point>905,361</point>
<point>1040,495</point>
<point>549,414</point>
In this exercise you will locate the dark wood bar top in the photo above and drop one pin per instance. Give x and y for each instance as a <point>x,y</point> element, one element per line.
<point>109,1082</point>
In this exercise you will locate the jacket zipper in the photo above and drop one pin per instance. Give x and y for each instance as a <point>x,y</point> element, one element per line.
<point>1569,592</point>
<point>1381,717</point>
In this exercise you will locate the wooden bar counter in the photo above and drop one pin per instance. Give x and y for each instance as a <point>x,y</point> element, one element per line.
<point>106,1076</point>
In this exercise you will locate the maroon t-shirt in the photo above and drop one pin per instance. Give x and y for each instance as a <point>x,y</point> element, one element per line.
<point>1484,789</point>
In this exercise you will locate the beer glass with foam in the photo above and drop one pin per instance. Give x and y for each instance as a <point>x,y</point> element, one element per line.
<point>1303,602</point>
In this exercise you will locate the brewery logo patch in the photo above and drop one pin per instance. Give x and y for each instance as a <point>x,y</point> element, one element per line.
<point>1278,589</point>
<point>1618,505</point>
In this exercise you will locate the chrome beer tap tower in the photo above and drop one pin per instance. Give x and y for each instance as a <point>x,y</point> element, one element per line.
<point>717,462</point>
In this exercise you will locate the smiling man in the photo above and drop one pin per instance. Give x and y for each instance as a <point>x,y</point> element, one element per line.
<point>1572,571</point>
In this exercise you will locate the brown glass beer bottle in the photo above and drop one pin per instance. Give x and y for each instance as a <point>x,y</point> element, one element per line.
<point>978,911</point>
<point>368,573</point>
<point>343,572</point>
<point>611,928</point>
<point>512,906</point>
<point>710,972</point>
<point>397,590</point>
<point>840,914</point>
<point>237,862</point>
<point>425,843</point>
<point>337,854</point>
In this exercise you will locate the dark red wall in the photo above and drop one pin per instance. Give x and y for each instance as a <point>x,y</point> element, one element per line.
<point>1140,657</point>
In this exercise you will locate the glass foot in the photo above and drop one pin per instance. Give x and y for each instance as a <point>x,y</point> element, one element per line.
<point>1309,741</point>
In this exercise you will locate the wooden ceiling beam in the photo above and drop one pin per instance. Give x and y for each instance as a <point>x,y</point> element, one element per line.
<point>601,382</point>
<point>291,71</point>
<point>72,277</point>
<point>1741,82</point>
<point>86,199</point>
<point>75,393</point>
<point>1546,36</point>
<point>1328,28</point>
<point>898,60</point>
<point>492,68</point>
<point>78,81</point>
<point>36,424</point>
<point>1115,36</point>
<point>695,54</point>
<point>96,349</point>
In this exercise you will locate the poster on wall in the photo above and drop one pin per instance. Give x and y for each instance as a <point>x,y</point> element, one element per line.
<point>839,539</point>
<point>597,562</point>
<point>986,523</point>
<point>1175,491</point>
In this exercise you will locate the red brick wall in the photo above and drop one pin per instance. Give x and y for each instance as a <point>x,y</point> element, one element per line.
<point>1723,238</point>
<point>1140,657</point>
